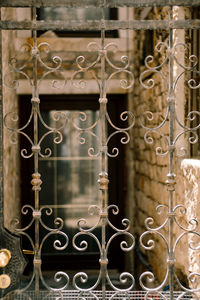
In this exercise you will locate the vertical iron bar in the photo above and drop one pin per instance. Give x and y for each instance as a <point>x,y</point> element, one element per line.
<point>103,175</point>
<point>171,176</point>
<point>35,105</point>
<point>1,134</point>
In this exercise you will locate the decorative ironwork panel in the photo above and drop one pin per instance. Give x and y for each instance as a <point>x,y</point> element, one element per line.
<point>102,70</point>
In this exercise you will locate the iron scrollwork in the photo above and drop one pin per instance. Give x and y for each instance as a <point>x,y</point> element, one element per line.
<point>35,143</point>
<point>58,244</point>
<point>44,68</point>
<point>103,220</point>
<point>12,117</point>
<point>173,212</point>
<point>38,212</point>
<point>103,84</point>
<point>83,67</point>
<point>102,211</point>
<point>149,83</point>
<point>90,131</point>
<point>35,52</point>
<point>179,210</point>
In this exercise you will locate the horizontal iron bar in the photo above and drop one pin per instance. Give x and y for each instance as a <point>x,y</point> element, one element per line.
<point>97,3</point>
<point>97,25</point>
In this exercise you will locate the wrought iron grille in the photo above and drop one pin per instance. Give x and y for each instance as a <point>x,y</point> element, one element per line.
<point>103,288</point>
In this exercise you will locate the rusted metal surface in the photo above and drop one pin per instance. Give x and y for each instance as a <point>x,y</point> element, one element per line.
<point>97,25</point>
<point>97,3</point>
